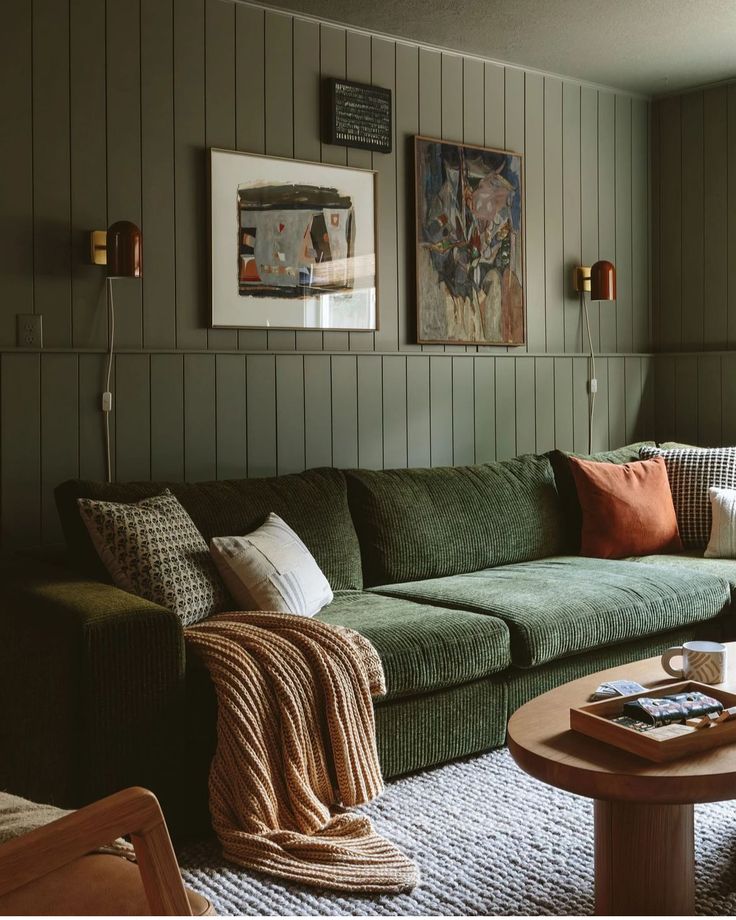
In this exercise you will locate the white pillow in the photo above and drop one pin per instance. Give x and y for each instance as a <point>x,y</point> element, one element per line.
<point>722,544</point>
<point>271,569</point>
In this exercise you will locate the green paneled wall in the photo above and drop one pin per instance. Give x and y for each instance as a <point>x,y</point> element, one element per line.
<point>108,108</point>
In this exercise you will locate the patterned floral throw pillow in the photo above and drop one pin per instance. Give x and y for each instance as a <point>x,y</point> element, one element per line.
<point>152,548</point>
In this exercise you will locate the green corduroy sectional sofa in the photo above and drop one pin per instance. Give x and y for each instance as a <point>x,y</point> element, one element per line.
<point>465,579</point>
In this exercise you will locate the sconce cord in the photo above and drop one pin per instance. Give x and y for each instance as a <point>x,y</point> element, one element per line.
<point>107,395</point>
<point>593,382</point>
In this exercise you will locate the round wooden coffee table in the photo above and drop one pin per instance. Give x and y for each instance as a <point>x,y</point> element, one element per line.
<point>644,846</point>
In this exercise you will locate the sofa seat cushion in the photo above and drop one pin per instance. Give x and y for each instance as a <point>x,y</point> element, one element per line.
<point>429,523</point>
<point>568,604</point>
<point>694,561</point>
<point>423,647</point>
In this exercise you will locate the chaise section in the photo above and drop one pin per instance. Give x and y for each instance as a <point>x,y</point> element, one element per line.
<point>558,607</point>
<point>694,562</point>
<point>423,647</point>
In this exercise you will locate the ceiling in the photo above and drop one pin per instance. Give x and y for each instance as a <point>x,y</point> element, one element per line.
<point>645,46</point>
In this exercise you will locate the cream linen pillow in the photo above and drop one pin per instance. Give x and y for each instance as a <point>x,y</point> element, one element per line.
<point>271,569</point>
<point>722,544</point>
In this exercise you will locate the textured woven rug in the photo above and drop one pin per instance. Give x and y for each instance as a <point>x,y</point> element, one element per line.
<point>488,839</point>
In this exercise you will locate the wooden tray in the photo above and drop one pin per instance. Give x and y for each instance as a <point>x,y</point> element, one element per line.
<point>593,719</point>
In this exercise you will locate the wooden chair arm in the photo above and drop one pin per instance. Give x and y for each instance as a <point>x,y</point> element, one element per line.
<point>132,811</point>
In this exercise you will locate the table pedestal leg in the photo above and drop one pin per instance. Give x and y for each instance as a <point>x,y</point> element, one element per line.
<point>644,859</point>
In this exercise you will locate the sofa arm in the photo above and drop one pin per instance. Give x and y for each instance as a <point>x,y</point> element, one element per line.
<point>91,686</point>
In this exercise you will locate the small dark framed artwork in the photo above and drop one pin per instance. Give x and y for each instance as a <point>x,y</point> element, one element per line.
<point>470,244</point>
<point>356,115</point>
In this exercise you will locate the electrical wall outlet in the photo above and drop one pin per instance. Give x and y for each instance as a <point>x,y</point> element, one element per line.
<point>29,330</point>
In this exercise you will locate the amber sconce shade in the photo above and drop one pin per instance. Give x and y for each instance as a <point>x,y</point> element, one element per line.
<point>120,248</point>
<point>599,280</point>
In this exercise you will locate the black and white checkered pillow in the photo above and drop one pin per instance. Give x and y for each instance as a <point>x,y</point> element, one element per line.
<point>692,471</point>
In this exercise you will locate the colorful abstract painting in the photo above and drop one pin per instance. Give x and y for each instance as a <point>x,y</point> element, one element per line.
<point>293,244</point>
<point>469,204</point>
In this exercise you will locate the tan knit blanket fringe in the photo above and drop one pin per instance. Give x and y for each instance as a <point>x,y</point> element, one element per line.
<point>296,742</point>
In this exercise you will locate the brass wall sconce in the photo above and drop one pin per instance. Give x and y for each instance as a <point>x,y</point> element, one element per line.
<point>598,280</point>
<point>119,248</point>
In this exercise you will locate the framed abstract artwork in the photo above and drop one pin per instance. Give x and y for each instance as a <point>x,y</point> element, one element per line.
<point>293,244</point>
<point>470,252</point>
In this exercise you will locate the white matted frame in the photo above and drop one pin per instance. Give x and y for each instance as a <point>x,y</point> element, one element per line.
<point>293,244</point>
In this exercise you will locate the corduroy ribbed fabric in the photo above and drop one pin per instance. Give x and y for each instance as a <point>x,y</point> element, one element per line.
<point>423,647</point>
<point>557,607</point>
<point>693,561</point>
<point>313,503</point>
<point>295,743</point>
<point>428,523</point>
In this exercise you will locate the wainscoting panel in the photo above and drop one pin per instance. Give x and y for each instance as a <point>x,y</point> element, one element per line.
<point>224,415</point>
<point>112,105</point>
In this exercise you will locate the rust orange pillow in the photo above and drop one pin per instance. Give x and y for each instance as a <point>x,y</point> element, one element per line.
<point>627,508</point>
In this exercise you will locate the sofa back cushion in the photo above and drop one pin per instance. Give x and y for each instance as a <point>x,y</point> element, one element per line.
<point>429,523</point>
<point>314,504</point>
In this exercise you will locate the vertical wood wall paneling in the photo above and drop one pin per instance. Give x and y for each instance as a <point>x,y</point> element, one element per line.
<point>192,293</point>
<point>693,230</point>
<point>636,428</point>
<point>600,419</point>
<point>200,435</point>
<point>623,309</point>
<point>430,111</point>
<point>664,397</point>
<point>91,418</point>
<point>20,450</point>
<point>571,212</point>
<point>418,422</point>
<point>51,188</point>
<point>317,411</point>
<point>167,417</point>
<point>406,104</point>
<point>124,151</point>
<point>655,237</point>
<point>589,225</point>
<point>232,438</point>
<point>526,411</point>
<point>715,136</point>
<point>359,68</point>
<point>670,224</point>
<point>219,111</point>
<point>505,392</point>
<point>279,88</point>
<point>544,403</point>
<point>59,434</point>
<point>463,411</point>
<point>554,253</point>
<point>731,206</point>
<point>616,402</point>
<point>261,413</point>
<point>648,408</point>
<point>16,168</point>
<point>370,412</point>
<point>641,229</point>
<point>250,112</point>
<point>88,168</point>
<point>709,405</point>
<point>580,400</point>
<point>394,411</point>
<point>564,422</point>
<point>133,421</point>
<point>344,411</point>
<point>686,399</point>
<point>290,413</point>
<point>383,64</point>
<point>333,64</point>
<point>440,410</point>
<point>534,196</point>
<point>306,123</point>
<point>728,398</point>
<point>607,208</point>
<point>157,173</point>
<point>484,381</point>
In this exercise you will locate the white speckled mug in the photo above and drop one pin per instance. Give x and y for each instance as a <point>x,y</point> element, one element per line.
<point>702,661</point>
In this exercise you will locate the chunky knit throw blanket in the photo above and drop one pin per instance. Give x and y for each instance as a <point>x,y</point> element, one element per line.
<point>295,743</point>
